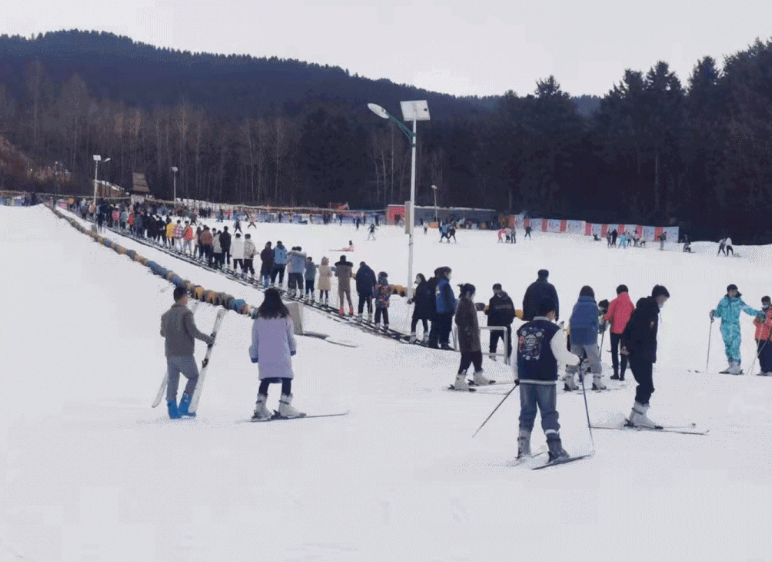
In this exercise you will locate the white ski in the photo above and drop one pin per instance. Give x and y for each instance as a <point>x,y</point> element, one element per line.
<point>162,390</point>
<point>205,364</point>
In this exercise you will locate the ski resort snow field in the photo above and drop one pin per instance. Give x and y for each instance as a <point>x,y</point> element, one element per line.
<point>92,472</point>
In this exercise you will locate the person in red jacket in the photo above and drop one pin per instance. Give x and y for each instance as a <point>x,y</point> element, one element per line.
<point>619,312</point>
<point>764,338</point>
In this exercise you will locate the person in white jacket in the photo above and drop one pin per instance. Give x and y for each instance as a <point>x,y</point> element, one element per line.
<point>273,345</point>
<point>237,252</point>
<point>541,347</point>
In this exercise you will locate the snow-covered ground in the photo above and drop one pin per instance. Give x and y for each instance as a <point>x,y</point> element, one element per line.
<point>91,472</point>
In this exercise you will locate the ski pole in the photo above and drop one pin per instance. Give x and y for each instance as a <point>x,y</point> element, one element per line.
<point>496,408</point>
<point>758,354</point>
<point>710,334</point>
<point>582,364</point>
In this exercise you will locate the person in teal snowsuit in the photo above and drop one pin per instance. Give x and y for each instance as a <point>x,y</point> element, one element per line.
<point>728,310</point>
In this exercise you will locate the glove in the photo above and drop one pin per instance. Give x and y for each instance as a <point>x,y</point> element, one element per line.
<point>210,341</point>
<point>254,359</point>
<point>712,315</point>
<point>293,353</point>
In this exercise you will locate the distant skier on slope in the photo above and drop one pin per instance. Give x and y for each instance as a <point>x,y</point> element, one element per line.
<point>179,329</point>
<point>639,343</point>
<point>728,310</point>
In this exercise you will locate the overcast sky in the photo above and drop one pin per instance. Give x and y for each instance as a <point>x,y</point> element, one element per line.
<point>473,47</point>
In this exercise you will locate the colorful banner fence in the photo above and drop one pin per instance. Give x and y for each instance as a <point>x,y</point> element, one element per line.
<point>648,233</point>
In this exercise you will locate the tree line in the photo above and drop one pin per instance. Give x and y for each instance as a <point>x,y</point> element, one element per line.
<point>652,150</point>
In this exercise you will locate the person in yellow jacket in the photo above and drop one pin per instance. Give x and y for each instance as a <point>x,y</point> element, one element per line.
<point>170,234</point>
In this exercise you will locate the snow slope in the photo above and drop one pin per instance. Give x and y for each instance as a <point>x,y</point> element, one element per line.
<point>93,473</point>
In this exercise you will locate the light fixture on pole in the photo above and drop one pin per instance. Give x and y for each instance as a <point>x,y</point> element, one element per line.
<point>434,190</point>
<point>174,173</point>
<point>411,111</point>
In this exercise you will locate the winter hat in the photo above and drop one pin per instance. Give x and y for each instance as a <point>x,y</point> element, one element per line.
<point>659,291</point>
<point>543,273</point>
<point>382,275</point>
<point>621,289</point>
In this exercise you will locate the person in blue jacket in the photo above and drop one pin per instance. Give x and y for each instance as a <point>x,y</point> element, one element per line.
<point>584,339</point>
<point>729,309</point>
<point>445,308</point>
<point>279,262</point>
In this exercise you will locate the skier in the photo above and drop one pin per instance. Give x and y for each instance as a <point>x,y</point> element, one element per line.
<point>528,232</point>
<point>513,236</point>
<point>423,298</point>
<point>273,345</point>
<point>619,312</point>
<point>639,343</point>
<point>344,274</point>
<point>371,232</point>
<point>296,267</point>
<point>468,339</point>
<point>536,291</point>
<point>452,234</point>
<point>236,226</point>
<point>584,340</point>
<point>729,249</point>
<point>444,233</point>
<point>763,337</point>
<point>445,307</point>
<point>266,265</point>
<point>325,276</point>
<point>500,312</point>
<point>217,249</point>
<point>501,235</point>
<point>187,238</point>
<point>541,348</point>
<point>238,253</point>
<point>279,262</point>
<point>310,277</point>
<point>721,247</point>
<point>426,228</point>
<point>249,255</point>
<point>382,294</point>
<point>434,331</point>
<point>358,222</point>
<point>225,243</point>
<point>614,235</point>
<point>179,329</point>
<point>365,284</point>
<point>169,233</point>
<point>179,232</point>
<point>251,221</point>
<point>728,310</point>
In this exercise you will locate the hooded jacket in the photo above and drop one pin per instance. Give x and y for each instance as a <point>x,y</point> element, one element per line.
<point>501,310</point>
<point>424,301</point>
<point>382,292</point>
<point>365,280</point>
<point>446,301</point>
<point>640,335</point>
<point>280,255</point>
<point>538,290</point>
<point>619,312</point>
<point>468,327</point>
<point>343,273</point>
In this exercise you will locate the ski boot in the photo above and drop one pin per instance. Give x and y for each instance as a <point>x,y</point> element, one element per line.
<point>351,312</point>
<point>734,368</point>
<point>597,383</point>
<point>173,411</point>
<point>638,416</point>
<point>342,312</point>
<point>426,339</point>
<point>461,383</point>
<point>446,347</point>
<point>480,379</point>
<point>261,412</point>
<point>412,337</point>
<point>570,383</point>
<point>615,376</point>
<point>524,444</point>
<point>285,408</point>
<point>555,446</point>
<point>184,405</point>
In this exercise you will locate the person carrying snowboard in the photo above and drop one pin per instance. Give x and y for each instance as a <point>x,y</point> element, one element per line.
<point>729,309</point>
<point>179,329</point>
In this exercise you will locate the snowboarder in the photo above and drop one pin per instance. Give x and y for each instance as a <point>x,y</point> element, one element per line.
<point>639,343</point>
<point>536,291</point>
<point>619,312</point>
<point>273,345</point>
<point>179,329</point>
<point>728,310</point>
<point>382,295</point>
<point>584,340</point>
<point>763,337</point>
<point>614,235</point>
<point>423,298</point>
<point>541,348</point>
<point>325,276</point>
<point>468,339</point>
<point>446,307</point>
<point>343,271</point>
<point>500,312</point>
<point>365,284</point>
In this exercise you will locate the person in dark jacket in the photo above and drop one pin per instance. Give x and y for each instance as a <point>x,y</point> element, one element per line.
<point>434,332</point>
<point>365,283</point>
<point>424,307</point>
<point>536,292</point>
<point>266,264</point>
<point>501,312</point>
<point>583,327</point>
<point>446,307</point>
<point>639,343</point>
<point>179,329</point>
<point>541,347</point>
<point>225,244</point>
<point>468,339</point>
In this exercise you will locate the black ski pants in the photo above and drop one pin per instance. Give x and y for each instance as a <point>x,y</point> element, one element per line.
<point>445,322</point>
<point>616,340</point>
<point>286,385</point>
<point>278,270</point>
<point>498,334</point>
<point>382,312</point>
<point>364,298</point>
<point>469,357</point>
<point>414,323</point>
<point>642,371</point>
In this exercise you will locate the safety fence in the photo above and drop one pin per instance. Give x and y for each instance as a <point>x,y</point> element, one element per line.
<point>562,226</point>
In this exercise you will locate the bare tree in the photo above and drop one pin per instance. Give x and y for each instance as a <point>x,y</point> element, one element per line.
<point>35,75</point>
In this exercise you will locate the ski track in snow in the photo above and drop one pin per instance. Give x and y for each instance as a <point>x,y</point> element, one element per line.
<point>91,472</point>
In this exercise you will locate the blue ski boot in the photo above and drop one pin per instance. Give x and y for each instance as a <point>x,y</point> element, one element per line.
<point>184,405</point>
<point>173,412</point>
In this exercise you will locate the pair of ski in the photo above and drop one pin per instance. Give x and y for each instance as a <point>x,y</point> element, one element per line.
<point>204,365</point>
<point>690,429</point>
<point>556,462</point>
<point>278,417</point>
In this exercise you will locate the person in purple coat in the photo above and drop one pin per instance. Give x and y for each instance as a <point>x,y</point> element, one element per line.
<point>273,345</point>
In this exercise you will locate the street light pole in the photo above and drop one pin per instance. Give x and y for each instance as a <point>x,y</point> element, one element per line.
<point>97,158</point>
<point>412,218</point>
<point>434,190</point>
<point>174,196</point>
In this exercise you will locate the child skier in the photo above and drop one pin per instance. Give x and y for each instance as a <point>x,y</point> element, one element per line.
<point>763,337</point>
<point>382,294</point>
<point>273,345</point>
<point>728,310</point>
<point>541,347</point>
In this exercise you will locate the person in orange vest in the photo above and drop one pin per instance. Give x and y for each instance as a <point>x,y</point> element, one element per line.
<point>763,337</point>
<point>187,238</point>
